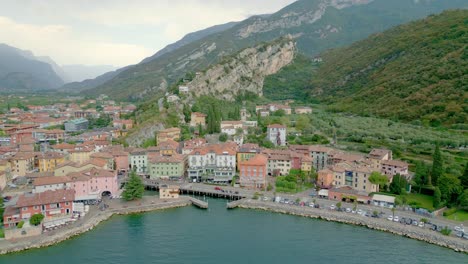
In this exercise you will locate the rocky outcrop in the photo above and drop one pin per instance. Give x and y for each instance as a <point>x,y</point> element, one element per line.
<point>143,133</point>
<point>244,72</point>
<point>295,19</point>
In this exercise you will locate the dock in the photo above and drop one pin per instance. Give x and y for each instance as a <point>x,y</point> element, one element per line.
<point>199,203</point>
<point>234,204</point>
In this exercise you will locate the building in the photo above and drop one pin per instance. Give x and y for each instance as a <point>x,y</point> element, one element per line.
<point>166,148</point>
<point>22,163</point>
<point>325,178</point>
<point>279,162</point>
<point>383,200</point>
<point>75,125</point>
<point>276,134</point>
<point>213,163</point>
<point>320,156</point>
<point>378,155</point>
<point>70,167</point>
<point>348,194</point>
<point>92,184</point>
<point>197,118</point>
<point>138,161</point>
<point>183,89</point>
<point>246,152</point>
<point>394,167</point>
<point>167,167</point>
<point>355,176</point>
<point>169,192</point>
<point>51,204</point>
<point>306,163</point>
<point>231,127</point>
<point>49,160</point>
<point>3,180</point>
<point>189,145</point>
<point>168,134</point>
<point>303,110</point>
<point>80,156</point>
<point>253,172</point>
<point>123,123</point>
<point>51,183</point>
<point>63,147</point>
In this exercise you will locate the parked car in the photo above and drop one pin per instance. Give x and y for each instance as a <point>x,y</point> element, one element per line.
<point>348,210</point>
<point>390,218</point>
<point>218,188</point>
<point>312,205</point>
<point>7,198</point>
<point>332,207</point>
<point>396,218</point>
<point>403,220</point>
<point>359,211</point>
<point>421,224</point>
<point>415,223</point>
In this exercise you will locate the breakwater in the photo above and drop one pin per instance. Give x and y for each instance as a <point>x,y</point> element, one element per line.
<point>422,234</point>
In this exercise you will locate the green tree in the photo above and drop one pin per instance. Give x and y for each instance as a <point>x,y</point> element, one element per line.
<point>36,219</point>
<point>187,113</point>
<point>302,122</point>
<point>398,184</point>
<point>134,188</point>
<point>338,205</point>
<point>378,178</point>
<point>421,173</point>
<point>223,137</point>
<point>464,178</point>
<point>437,198</point>
<point>450,188</point>
<point>437,165</point>
<point>463,200</point>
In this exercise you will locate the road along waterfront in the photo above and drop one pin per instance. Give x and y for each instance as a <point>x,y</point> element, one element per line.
<point>409,231</point>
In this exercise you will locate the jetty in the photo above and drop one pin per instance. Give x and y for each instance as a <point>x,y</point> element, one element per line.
<point>199,203</point>
<point>234,204</point>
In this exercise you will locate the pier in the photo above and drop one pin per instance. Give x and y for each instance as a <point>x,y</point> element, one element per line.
<point>199,203</point>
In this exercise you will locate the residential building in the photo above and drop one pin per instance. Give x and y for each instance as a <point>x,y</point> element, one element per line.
<point>123,123</point>
<point>253,172</point>
<point>139,161</point>
<point>169,192</point>
<point>166,148</point>
<point>355,176</point>
<point>49,160</point>
<point>394,167</point>
<point>325,178</point>
<point>80,155</point>
<point>172,133</point>
<point>231,127</point>
<point>376,156</point>
<point>63,147</point>
<point>183,89</point>
<point>166,167</point>
<point>213,163</point>
<point>279,162</point>
<point>70,167</point>
<point>22,163</point>
<point>246,152</point>
<point>51,204</point>
<point>75,125</point>
<point>303,110</point>
<point>276,134</point>
<point>348,194</point>
<point>3,180</point>
<point>189,145</point>
<point>320,156</point>
<point>51,183</point>
<point>306,163</point>
<point>93,183</point>
<point>106,157</point>
<point>197,118</point>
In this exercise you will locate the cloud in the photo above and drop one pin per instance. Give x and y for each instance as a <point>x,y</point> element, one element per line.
<point>118,32</point>
<point>60,42</point>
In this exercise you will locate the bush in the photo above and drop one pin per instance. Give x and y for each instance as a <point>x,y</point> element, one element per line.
<point>449,212</point>
<point>223,137</point>
<point>446,231</point>
<point>20,224</point>
<point>36,219</point>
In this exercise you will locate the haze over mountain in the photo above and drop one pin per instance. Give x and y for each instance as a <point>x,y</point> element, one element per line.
<point>20,71</point>
<point>78,73</point>
<point>316,26</point>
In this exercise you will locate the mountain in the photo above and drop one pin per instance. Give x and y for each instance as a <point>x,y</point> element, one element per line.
<point>92,83</point>
<point>78,73</point>
<point>317,25</point>
<point>417,71</point>
<point>58,70</point>
<point>189,38</point>
<point>20,71</point>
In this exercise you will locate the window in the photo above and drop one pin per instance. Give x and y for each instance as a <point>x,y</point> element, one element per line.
<point>67,203</point>
<point>36,207</point>
<point>25,208</point>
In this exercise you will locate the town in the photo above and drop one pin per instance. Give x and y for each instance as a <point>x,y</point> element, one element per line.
<point>52,176</point>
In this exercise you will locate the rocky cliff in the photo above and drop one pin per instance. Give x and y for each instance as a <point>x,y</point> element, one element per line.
<point>245,71</point>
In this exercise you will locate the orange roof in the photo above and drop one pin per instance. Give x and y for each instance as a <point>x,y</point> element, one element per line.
<point>51,180</point>
<point>396,163</point>
<point>47,197</point>
<point>276,126</point>
<point>257,160</point>
<point>197,114</point>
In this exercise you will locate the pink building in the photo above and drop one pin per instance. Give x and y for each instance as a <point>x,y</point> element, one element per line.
<point>253,172</point>
<point>92,184</point>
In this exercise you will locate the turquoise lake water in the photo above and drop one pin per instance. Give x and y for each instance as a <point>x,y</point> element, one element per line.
<point>217,235</point>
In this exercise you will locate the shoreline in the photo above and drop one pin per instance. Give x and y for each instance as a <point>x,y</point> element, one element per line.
<point>45,240</point>
<point>417,233</point>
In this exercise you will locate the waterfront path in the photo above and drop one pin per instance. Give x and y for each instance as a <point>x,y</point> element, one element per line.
<point>92,219</point>
<point>382,224</point>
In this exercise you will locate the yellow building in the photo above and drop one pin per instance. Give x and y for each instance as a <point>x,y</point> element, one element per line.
<point>48,161</point>
<point>246,152</point>
<point>168,192</point>
<point>80,156</point>
<point>168,134</point>
<point>69,167</point>
<point>22,163</point>
<point>306,164</point>
<point>197,119</point>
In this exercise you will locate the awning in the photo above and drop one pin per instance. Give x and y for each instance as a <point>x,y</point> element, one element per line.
<point>323,192</point>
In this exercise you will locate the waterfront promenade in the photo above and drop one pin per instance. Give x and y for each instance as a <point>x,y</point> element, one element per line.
<point>91,220</point>
<point>382,224</point>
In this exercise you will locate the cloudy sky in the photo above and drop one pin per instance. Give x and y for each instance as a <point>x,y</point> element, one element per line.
<point>114,32</point>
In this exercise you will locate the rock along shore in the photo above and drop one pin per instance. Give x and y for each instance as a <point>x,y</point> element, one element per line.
<point>88,224</point>
<point>422,234</point>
